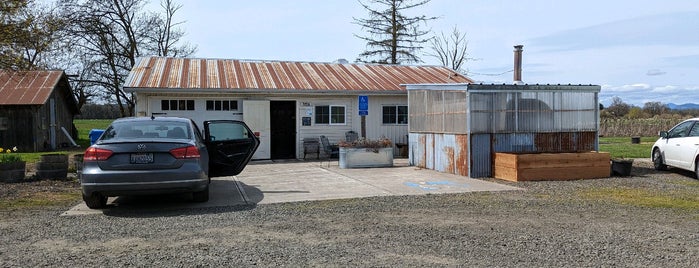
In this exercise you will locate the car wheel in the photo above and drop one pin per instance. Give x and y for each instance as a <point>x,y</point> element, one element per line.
<point>95,201</point>
<point>696,169</point>
<point>658,162</point>
<point>201,196</point>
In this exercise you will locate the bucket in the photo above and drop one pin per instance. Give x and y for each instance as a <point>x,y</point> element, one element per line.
<point>635,140</point>
<point>622,167</point>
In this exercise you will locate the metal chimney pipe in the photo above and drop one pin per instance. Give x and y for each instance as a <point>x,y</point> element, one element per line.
<point>518,64</point>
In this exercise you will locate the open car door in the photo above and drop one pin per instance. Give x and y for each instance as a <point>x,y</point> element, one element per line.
<point>230,144</point>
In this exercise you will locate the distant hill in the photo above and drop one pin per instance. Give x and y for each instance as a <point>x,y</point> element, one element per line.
<point>686,106</point>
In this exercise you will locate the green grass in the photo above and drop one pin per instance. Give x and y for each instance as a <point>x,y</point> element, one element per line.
<point>40,199</point>
<point>686,199</point>
<point>621,147</point>
<point>85,125</point>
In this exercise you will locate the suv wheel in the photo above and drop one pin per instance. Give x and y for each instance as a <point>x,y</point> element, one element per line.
<point>95,201</point>
<point>658,163</point>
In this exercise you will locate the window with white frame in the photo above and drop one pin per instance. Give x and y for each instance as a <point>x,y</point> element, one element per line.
<point>330,114</point>
<point>395,114</point>
<point>221,105</point>
<point>177,105</point>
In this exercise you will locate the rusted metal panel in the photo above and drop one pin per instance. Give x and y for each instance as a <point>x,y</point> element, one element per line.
<point>565,142</point>
<point>27,87</point>
<point>181,73</point>
<point>461,161</point>
<point>442,152</point>
<point>416,152</point>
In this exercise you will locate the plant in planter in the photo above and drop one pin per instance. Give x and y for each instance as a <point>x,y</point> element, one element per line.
<point>12,168</point>
<point>366,153</point>
<point>373,145</point>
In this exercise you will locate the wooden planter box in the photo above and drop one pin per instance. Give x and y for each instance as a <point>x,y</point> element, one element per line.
<point>12,172</point>
<point>551,166</point>
<point>366,158</point>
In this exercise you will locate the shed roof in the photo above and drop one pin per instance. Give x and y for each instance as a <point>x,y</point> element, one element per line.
<point>229,74</point>
<point>27,87</point>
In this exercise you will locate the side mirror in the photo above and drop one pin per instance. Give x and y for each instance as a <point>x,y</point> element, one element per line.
<point>663,134</point>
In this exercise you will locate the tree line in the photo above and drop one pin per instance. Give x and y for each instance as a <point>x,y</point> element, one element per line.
<point>618,109</point>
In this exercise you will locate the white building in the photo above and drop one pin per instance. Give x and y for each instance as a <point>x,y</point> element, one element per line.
<point>284,102</point>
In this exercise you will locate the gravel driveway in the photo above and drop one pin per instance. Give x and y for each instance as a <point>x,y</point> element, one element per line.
<point>650,219</point>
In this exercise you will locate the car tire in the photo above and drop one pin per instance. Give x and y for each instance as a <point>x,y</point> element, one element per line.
<point>658,162</point>
<point>95,201</point>
<point>201,196</point>
<point>696,169</point>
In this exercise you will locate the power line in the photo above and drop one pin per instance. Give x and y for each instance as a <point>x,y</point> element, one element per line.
<point>497,74</point>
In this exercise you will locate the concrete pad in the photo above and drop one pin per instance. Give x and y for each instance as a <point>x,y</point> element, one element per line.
<point>302,181</point>
<point>271,182</point>
<point>224,191</point>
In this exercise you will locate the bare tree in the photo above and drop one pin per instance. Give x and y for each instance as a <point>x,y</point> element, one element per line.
<point>655,108</point>
<point>164,40</point>
<point>618,108</point>
<point>111,35</point>
<point>451,51</point>
<point>392,37</point>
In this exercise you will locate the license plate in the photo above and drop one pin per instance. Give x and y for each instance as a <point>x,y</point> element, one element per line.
<point>142,158</point>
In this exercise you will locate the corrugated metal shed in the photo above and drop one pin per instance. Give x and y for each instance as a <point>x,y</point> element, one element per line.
<point>230,74</point>
<point>27,87</point>
<point>499,118</point>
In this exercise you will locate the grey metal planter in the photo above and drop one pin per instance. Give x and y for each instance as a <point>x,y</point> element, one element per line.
<point>365,157</point>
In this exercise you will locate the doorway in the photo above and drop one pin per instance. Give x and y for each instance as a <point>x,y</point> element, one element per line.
<point>283,129</point>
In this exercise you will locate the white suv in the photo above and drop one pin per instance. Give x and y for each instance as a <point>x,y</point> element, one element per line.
<point>678,147</point>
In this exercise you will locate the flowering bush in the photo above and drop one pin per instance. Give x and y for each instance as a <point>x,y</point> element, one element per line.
<point>367,143</point>
<point>6,155</point>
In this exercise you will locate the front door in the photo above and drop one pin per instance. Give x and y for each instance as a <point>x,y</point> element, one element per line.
<point>230,145</point>
<point>283,129</point>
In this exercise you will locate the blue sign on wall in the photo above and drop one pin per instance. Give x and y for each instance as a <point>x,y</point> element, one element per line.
<point>363,105</point>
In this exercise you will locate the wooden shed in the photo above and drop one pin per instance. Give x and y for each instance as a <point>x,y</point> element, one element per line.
<point>36,110</point>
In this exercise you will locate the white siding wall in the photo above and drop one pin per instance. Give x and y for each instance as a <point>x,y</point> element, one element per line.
<point>335,133</point>
<point>374,121</point>
<point>148,104</point>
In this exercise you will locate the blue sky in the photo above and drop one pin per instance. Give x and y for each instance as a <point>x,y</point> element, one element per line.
<point>639,50</point>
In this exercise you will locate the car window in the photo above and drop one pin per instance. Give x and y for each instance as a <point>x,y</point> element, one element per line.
<point>695,131</point>
<point>227,131</point>
<point>681,130</point>
<point>148,129</point>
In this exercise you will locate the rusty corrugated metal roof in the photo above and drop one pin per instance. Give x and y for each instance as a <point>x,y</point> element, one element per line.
<point>27,87</point>
<point>185,73</point>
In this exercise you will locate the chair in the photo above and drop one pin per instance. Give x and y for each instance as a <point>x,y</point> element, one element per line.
<point>331,150</point>
<point>176,133</point>
<point>351,136</point>
<point>311,146</point>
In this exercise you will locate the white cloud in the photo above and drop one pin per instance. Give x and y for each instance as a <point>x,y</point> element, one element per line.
<point>668,88</point>
<point>626,88</point>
